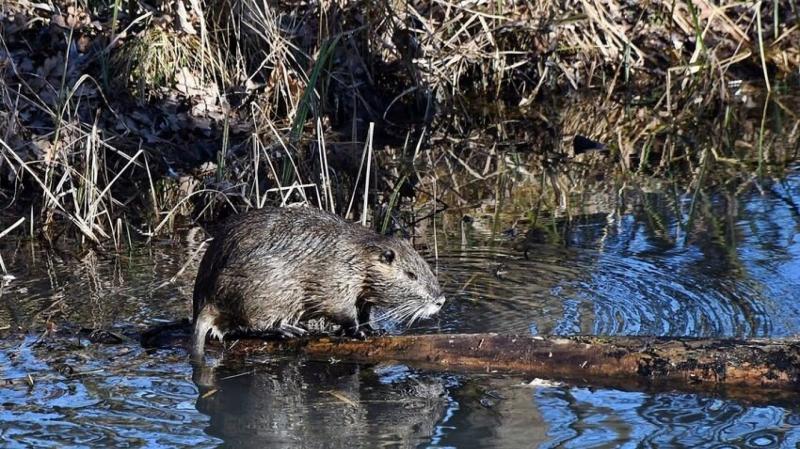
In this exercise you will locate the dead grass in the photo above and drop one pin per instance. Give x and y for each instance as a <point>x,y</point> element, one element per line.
<point>131,118</point>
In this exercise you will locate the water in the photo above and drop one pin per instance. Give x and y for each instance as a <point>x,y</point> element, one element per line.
<point>625,275</point>
<point>630,267</point>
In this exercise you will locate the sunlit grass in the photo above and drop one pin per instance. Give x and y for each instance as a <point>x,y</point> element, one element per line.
<point>479,82</point>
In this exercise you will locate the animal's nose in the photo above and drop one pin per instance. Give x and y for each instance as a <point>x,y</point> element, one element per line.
<point>440,300</point>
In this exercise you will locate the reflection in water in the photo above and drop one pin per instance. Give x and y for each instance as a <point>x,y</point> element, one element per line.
<point>602,293</point>
<point>94,290</point>
<point>120,396</point>
<point>57,395</point>
<point>632,269</point>
<point>291,403</point>
<point>502,413</point>
<point>580,418</point>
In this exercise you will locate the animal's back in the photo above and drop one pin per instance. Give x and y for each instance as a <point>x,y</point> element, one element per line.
<point>271,268</point>
<point>269,245</point>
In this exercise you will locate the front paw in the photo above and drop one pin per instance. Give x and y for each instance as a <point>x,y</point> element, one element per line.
<point>366,331</point>
<point>355,332</point>
<point>373,332</point>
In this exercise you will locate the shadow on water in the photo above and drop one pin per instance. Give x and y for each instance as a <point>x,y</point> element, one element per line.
<point>633,268</point>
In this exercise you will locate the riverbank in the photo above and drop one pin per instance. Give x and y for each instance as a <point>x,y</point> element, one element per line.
<point>127,120</point>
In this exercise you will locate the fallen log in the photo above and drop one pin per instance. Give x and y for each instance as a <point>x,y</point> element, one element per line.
<point>755,365</point>
<point>745,368</point>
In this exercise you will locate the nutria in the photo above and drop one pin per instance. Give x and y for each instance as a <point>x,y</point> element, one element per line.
<point>272,268</point>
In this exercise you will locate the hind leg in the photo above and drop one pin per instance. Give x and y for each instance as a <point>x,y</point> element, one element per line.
<point>207,321</point>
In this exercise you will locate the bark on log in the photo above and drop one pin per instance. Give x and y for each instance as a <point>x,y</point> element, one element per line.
<point>742,367</point>
<point>755,370</point>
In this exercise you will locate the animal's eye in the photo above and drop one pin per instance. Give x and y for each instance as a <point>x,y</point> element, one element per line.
<point>387,257</point>
<point>411,275</point>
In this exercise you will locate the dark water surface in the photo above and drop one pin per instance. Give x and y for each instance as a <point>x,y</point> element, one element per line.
<point>633,268</point>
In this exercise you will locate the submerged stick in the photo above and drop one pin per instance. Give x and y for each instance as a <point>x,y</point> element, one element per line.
<point>620,361</point>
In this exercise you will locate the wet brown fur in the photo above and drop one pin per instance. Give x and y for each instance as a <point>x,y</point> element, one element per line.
<point>273,268</point>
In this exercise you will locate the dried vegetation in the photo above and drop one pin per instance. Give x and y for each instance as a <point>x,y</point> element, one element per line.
<point>126,118</point>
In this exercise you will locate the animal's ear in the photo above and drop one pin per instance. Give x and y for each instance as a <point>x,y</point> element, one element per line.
<point>387,256</point>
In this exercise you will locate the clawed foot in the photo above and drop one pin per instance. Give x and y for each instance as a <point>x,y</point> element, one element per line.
<point>358,334</point>
<point>378,332</point>
<point>362,332</point>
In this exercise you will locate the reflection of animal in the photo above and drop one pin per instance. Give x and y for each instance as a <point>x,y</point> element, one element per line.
<point>299,403</point>
<point>269,269</point>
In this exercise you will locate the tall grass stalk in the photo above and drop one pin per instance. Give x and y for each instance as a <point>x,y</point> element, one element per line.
<point>434,183</point>
<point>62,97</point>
<point>186,264</point>
<point>153,196</point>
<point>222,155</point>
<point>760,29</point>
<point>358,178</point>
<point>695,195</point>
<point>325,174</point>
<point>280,189</point>
<point>256,170</point>
<point>8,230</point>
<point>761,136</point>
<point>365,209</point>
<point>387,218</point>
<point>309,95</point>
<point>289,156</point>
<point>419,144</point>
<point>31,234</point>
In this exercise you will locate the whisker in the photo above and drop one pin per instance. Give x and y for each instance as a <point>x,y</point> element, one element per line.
<point>402,317</point>
<point>396,311</point>
<point>417,314</point>
<point>380,318</point>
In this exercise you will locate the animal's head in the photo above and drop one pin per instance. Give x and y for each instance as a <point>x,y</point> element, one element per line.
<point>401,282</point>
